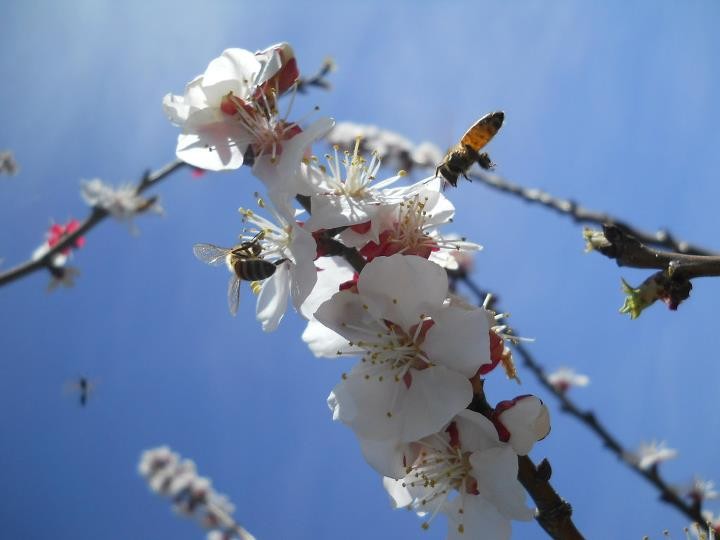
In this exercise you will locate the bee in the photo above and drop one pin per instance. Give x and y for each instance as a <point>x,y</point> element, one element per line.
<point>462,156</point>
<point>81,386</point>
<point>243,260</point>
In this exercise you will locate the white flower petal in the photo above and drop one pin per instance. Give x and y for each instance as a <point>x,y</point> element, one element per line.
<point>272,301</point>
<point>386,457</point>
<point>303,274</point>
<point>495,470</point>
<point>459,339</point>
<point>479,519</point>
<point>236,65</point>
<point>476,432</point>
<point>435,395</point>
<point>387,409</point>
<point>323,342</point>
<point>402,288</point>
<point>193,148</point>
<point>399,495</point>
<point>344,313</point>
<point>331,273</point>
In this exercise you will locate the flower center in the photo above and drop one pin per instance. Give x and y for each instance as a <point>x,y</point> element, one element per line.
<point>392,352</point>
<point>358,173</point>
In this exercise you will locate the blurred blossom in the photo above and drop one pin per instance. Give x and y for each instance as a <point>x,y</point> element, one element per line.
<point>393,149</point>
<point>192,495</point>
<point>60,273</point>
<point>123,203</point>
<point>698,490</point>
<point>564,378</point>
<point>8,165</point>
<point>464,261</point>
<point>650,454</point>
<point>58,231</point>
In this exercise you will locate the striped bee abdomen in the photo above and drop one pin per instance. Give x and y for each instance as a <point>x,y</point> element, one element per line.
<point>253,269</point>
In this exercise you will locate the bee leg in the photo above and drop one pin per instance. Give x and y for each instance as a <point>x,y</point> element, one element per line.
<point>485,162</point>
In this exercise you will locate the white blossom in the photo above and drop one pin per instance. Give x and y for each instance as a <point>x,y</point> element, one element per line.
<point>652,453</point>
<point>418,352</point>
<point>345,192</point>
<point>411,227</point>
<point>698,490</point>
<point>466,472</point>
<point>564,378</point>
<point>232,106</point>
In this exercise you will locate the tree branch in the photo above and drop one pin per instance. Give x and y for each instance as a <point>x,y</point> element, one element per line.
<point>97,215</point>
<point>660,238</point>
<point>627,250</point>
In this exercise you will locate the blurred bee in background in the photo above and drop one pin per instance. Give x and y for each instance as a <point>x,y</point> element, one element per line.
<point>463,155</point>
<point>244,261</point>
<point>83,387</point>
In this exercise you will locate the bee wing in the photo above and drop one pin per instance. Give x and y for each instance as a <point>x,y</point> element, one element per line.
<point>70,387</point>
<point>234,294</point>
<point>483,130</point>
<point>210,253</point>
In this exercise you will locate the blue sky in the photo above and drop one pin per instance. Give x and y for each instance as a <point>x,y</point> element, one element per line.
<point>613,104</point>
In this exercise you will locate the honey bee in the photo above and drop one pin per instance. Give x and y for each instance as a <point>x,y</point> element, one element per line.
<point>243,261</point>
<point>462,156</point>
<point>82,387</point>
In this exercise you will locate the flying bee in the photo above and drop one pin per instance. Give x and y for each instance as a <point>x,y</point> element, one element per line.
<point>462,156</point>
<point>243,260</point>
<point>82,387</point>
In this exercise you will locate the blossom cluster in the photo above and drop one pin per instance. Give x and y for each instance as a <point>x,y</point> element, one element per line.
<point>192,495</point>
<point>123,203</point>
<point>365,261</point>
<point>60,272</point>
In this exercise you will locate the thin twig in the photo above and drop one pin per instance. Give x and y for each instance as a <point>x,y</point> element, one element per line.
<point>97,215</point>
<point>579,214</point>
<point>588,418</point>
